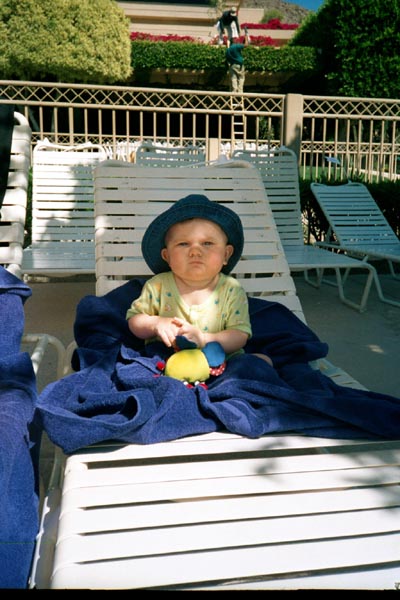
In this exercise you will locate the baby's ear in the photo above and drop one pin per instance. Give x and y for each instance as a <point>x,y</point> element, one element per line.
<point>229,251</point>
<point>164,254</point>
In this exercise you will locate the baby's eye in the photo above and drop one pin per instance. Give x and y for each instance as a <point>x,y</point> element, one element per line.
<point>183,244</point>
<point>208,243</point>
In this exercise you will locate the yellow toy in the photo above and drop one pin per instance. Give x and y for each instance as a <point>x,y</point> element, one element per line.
<point>193,366</point>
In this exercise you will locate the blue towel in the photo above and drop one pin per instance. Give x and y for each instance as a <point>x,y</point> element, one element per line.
<point>20,435</point>
<point>13,294</point>
<point>118,392</point>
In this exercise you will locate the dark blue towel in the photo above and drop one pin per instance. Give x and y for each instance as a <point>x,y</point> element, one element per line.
<point>13,294</point>
<point>19,497</point>
<point>20,436</point>
<point>119,394</point>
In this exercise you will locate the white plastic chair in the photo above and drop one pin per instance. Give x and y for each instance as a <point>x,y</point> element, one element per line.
<point>279,172</point>
<point>155,155</point>
<point>12,232</point>
<point>358,228</point>
<point>62,231</point>
<point>216,511</point>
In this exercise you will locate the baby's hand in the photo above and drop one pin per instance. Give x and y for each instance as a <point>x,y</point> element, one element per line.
<point>191,333</point>
<point>167,330</point>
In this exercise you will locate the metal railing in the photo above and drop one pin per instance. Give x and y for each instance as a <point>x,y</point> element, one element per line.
<point>362,134</point>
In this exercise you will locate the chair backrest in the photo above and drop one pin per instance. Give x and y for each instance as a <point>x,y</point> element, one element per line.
<point>353,216</point>
<point>280,175</point>
<point>62,194</point>
<point>153,155</point>
<point>128,197</point>
<point>14,205</point>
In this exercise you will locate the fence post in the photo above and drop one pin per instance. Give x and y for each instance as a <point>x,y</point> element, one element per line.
<point>293,122</point>
<point>213,149</point>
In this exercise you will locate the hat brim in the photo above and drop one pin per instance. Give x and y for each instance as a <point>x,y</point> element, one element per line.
<point>191,207</point>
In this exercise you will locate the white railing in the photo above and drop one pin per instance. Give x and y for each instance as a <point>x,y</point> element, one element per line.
<point>361,133</point>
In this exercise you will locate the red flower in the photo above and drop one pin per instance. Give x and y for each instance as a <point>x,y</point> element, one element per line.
<point>258,40</point>
<point>272,24</point>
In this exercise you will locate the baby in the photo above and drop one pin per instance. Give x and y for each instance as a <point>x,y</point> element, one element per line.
<point>192,247</point>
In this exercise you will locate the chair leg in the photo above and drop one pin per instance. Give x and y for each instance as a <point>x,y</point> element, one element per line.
<point>68,358</point>
<point>340,284</point>
<point>318,277</point>
<point>381,295</point>
<point>42,340</point>
<point>392,271</point>
<point>362,305</point>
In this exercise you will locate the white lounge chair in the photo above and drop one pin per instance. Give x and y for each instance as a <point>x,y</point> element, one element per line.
<point>358,227</point>
<point>14,204</point>
<point>62,238</point>
<point>279,172</point>
<point>20,433</point>
<point>150,191</point>
<point>215,511</point>
<point>12,226</point>
<point>155,155</point>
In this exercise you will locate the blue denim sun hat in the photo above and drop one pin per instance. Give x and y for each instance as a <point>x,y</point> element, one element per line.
<point>194,206</point>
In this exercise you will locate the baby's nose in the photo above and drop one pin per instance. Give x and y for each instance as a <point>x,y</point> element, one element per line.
<point>195,249</point>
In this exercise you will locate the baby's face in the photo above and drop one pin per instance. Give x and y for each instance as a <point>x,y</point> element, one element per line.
<point>196,250</point>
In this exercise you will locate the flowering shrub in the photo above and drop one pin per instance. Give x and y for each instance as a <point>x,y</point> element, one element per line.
<point>259,40</point>
<point>256,40</point>
<point>272,24</point>
<point>262,40</point>
<point>137,35</point>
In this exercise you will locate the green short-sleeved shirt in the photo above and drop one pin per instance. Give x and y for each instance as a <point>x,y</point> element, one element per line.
<point>225,308</point>
<point>234,54</point>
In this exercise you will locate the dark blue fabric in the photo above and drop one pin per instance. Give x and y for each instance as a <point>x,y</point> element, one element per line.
<point>6,134</point>
<point>13,294</point>
<point>119,394</point>
<point>19,440</point>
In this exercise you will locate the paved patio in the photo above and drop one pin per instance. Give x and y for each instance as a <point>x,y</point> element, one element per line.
<point>365,345</point>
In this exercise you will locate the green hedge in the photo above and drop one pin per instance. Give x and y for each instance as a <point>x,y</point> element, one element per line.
<point>187,55</point>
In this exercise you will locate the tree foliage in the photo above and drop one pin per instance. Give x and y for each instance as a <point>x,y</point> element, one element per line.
<point>84,41</point>
<point>359,43</point>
